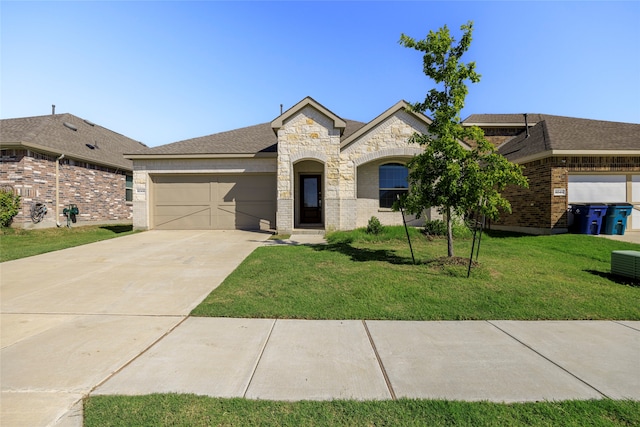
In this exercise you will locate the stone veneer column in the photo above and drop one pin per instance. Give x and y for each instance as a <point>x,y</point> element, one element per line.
<point>140,200</point>
<point>308,135</point>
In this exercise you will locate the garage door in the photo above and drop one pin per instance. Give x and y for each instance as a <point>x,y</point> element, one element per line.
<point>213,202</point>
<point>606,189</point>
<point>597,188</point>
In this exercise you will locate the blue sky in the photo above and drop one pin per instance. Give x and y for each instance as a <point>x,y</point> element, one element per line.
<point>163,71</point>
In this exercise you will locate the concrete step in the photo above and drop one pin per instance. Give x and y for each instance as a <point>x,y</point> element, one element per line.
<point>313,231</point>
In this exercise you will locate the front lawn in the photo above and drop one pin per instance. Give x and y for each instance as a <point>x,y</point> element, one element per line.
<point>356,276</point>
<point>189,410</point>
<point>18,243</point>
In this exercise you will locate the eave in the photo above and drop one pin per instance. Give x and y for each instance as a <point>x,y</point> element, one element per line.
<point>200,156</point>
<point>498,125</point>
<point>575,153</point>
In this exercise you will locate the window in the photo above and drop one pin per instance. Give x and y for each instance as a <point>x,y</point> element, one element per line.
<point>392,182</point>
<point>129,188</point>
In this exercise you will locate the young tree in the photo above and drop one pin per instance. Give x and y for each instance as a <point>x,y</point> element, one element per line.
<point>448,176</point>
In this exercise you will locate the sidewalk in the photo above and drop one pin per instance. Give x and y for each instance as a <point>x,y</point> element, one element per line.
<point>500,361</point>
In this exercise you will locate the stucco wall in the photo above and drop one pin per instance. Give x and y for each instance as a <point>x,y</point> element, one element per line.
<point>368,196</point>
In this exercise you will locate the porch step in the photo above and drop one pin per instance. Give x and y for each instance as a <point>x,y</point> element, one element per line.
<point>317,231</point>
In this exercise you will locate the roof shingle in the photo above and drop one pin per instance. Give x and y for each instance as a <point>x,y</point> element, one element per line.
<point>248,140</point>
<point>55,133</point>
<point>558,133</point>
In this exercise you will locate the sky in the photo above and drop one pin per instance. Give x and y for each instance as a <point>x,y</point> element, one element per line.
<point>166,71</point>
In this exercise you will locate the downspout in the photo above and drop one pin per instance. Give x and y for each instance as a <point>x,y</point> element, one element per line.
<point>58,189</point>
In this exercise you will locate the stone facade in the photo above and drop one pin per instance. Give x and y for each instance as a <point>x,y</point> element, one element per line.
<point>98,192</point>
<point>309,142</point>
<point>308,135</point>
<point>536,209</point>
<point>387,143</point>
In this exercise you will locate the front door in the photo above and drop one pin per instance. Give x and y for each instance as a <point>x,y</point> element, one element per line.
<point>310,199</point>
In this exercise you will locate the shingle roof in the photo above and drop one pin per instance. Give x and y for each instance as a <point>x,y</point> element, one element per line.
<point>248,140</point>
<point>69,135</point>
<point>511,119</point>
<point>557,133</point>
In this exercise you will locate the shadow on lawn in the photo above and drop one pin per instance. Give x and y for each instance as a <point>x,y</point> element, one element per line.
<point>621,280</point>
<point>117,229</point>
<point>499,234</point>
<point>364,255</point>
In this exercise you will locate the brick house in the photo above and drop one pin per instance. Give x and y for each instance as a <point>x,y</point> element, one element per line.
<point>308,168</point>
<point>61,159</point>
<point>567,161</point>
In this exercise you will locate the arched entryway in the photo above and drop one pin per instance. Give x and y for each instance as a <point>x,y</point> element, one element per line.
<point>309,194</point>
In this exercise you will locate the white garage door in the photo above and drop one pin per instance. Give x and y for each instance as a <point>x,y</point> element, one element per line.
<point>606,189</point>
<point>597,188</point>
<point>213,202</point>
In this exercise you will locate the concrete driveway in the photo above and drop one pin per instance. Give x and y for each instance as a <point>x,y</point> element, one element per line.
<point>70,319</point>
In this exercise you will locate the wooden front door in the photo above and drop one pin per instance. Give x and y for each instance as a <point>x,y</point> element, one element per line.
<point>310,199</point>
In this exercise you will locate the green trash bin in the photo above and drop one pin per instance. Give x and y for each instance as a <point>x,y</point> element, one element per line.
<point>615,222</point>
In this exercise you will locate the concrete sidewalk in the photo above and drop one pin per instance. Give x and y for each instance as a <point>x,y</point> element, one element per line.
<point>501,361</point>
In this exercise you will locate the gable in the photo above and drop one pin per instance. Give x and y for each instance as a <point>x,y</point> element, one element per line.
<point>391,132</point>
<point>418,122</point>
<point>309,105</point>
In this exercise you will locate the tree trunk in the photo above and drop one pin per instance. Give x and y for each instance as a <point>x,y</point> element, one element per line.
<point>449,233</point>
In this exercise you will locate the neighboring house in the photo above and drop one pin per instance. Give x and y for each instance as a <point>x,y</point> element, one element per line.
<point>567,161</point>
<point>61,159</point>
<point>500,128</point>
<point>308,168</point>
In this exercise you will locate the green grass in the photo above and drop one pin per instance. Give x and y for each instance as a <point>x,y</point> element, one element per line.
<point>360,276</point>
<point>19,243</point>
<point>190,410</point>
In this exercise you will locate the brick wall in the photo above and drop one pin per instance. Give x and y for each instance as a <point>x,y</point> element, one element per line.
<point>498,136</point>
<point>531,207</point>
<point>536,209</point>
<point>98,192</point>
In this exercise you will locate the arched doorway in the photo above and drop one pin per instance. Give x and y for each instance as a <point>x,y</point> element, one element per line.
<point>309,194</point>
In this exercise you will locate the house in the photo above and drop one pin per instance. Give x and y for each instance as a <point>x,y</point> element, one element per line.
<point>567,161</point>
<point>60,159</point>
<point>311,169</point>
<point>308,168</point>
